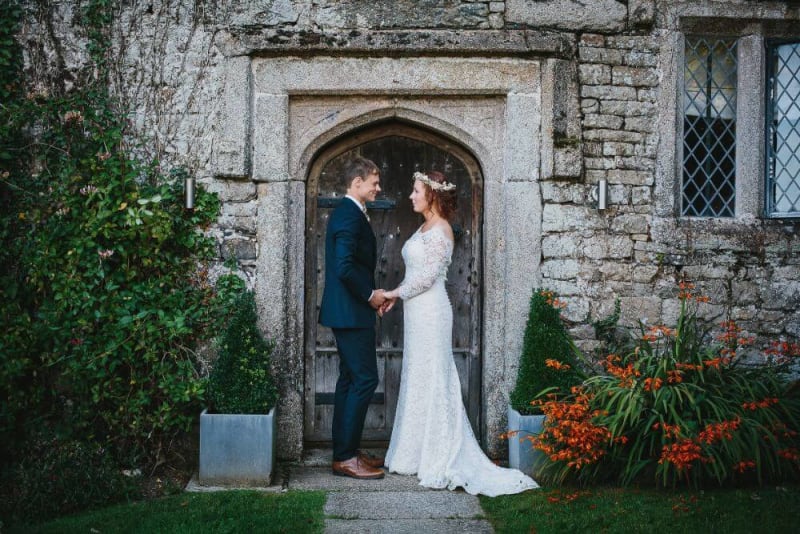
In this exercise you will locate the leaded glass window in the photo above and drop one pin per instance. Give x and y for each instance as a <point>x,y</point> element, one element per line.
<point>709,128</point>
<point>783,130</point>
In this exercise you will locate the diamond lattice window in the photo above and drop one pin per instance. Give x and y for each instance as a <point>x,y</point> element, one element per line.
<point>783,130</point>
<point>709,128</point>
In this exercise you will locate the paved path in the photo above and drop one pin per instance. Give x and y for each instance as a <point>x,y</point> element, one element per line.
<point>394,504</point>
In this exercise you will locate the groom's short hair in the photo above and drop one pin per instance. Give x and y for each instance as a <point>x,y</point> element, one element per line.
<point>359,166</point>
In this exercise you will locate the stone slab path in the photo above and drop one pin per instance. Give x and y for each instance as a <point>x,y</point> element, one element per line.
<point>394,504</point>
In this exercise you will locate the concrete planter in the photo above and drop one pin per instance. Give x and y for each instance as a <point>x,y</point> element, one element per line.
<point>521,454</point>
<point>237,449</point>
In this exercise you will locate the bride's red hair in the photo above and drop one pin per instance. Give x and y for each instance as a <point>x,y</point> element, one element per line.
<point>445,201</point>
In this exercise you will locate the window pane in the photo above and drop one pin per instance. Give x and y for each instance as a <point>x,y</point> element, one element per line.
<point>709,128</point>
<point>783,131</point>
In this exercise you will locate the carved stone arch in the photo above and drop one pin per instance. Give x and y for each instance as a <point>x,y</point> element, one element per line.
<point>364,124</point>
<point>399,147</point>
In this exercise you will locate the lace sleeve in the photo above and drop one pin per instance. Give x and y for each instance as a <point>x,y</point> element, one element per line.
<point>438,251</point>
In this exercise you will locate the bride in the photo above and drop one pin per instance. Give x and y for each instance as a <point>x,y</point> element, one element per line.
<point>432,437</point>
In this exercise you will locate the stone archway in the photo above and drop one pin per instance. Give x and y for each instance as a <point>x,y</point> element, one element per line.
<point>299,105</point>
<point>399,149</point>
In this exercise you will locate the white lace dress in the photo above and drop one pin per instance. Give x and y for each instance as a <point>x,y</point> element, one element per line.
<point>432,436</point>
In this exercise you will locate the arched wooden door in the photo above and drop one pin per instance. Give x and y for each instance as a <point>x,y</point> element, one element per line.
<point>399,150</point>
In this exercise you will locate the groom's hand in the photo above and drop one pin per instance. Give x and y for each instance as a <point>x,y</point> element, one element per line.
<point>377,299</point>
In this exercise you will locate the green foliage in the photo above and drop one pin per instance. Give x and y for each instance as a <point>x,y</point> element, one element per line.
<point>58,477</point>
<point>651,511</point>
<point>223,511</point>
<point>678,406</point>
<point>546,338</point>
<point>241,382</point>
<point>104,289</point>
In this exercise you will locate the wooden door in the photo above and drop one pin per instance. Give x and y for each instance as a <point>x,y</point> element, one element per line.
<point>399,150</point>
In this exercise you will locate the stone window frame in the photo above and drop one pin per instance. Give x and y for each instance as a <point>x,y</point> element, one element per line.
<point>751,179</point>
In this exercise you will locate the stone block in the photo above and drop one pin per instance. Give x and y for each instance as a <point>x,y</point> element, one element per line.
<point>522,151</point>
<point>639,124</point>
<point>564,218</point>
<point>557,192</point>
<point>641,13</point>
<point>600,55</point>
<point>602,247</point>
<point>630,177</point>
<point>634,76</point>
<point>232,191</point>
<point>593,74</point>
<point>619,194</point>
<point>271,143</point>
<point>641,195</point>
<point>608,92</point>
<point>627,108</point>
<point>611,148</point>
<point>612,135</point>
<point>567,163</point>
<point>571,15</point>
<point>590,105</point>
<point>560,246</point>
<point>644,274</point>
<point>230,148</point>
<point>639,58</point>
<point>592,39</point>
<point>239,209</point>
<point>497,7</point>
<point>634,309</point>
<point>595,120</point>
<point>616,271</point>
<point>560,269</point>
<point>238,248</point>
<point>630,224</point>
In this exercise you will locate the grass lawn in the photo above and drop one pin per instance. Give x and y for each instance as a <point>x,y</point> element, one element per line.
<point>728,511</point>
<point>228,511</point>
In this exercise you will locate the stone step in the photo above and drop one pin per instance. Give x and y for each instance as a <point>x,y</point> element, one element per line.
<point>407,526</point>
<point>403,505</point>
<point>322,478</point>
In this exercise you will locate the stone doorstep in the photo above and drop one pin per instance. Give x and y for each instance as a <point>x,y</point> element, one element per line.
<point>407,526</point>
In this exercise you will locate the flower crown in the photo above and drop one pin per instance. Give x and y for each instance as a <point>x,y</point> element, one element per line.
<point>436,186</point>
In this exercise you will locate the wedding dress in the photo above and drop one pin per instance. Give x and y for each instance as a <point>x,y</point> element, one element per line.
<point>432,436</point>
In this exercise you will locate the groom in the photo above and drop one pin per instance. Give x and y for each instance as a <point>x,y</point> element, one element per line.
<point>349,304</point>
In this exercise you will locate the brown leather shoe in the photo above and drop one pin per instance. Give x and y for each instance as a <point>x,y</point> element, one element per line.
<point>370,459</point>
<point>355,468</point>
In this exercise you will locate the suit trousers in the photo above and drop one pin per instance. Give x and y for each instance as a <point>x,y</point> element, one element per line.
<point>358,379</point>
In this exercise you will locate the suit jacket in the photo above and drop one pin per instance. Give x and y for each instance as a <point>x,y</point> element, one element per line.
<point>350,259</point>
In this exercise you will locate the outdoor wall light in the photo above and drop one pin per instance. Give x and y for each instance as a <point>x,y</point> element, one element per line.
<point>188,189</point>
<point>599,194</point>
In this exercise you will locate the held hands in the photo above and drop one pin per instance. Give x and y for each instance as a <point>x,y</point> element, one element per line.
<point>391,298</point>
<point>382,300</point>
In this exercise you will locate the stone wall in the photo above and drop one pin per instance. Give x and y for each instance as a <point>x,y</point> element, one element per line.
<point>607,111</point>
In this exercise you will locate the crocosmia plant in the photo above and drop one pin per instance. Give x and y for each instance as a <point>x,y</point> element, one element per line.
<point>682,404</point>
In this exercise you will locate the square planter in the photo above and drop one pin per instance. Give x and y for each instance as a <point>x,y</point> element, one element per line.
<point>237,449</point>
<point>521,454</point>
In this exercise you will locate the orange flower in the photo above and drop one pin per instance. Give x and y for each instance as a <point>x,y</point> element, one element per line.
<point>744,466</point>
<point>763,403</point>
<point>682,454</point>
<point>569,435</point>
<point>670,431</point>
<point>557,365</point>
<point>790,454</point>
<point>652,384</point>
<point>714,432</point>
<point>685,292</point>
<point>674,377</point>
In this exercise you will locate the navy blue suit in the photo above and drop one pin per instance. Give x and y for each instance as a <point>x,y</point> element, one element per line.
<point>350,259</point>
